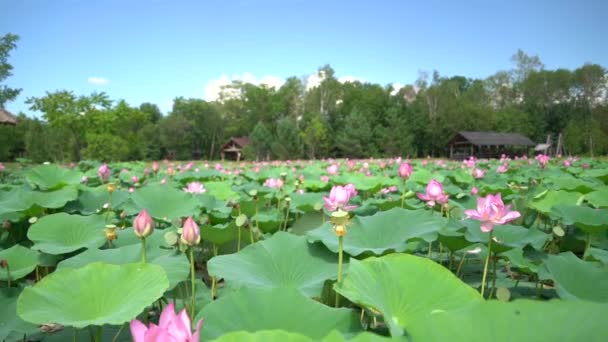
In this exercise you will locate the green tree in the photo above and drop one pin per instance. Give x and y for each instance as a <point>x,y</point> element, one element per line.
<point>7,43</point>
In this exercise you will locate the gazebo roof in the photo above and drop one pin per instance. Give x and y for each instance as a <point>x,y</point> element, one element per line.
<point>7,118</point>
<point>492,139</point>
<point>240,143</point>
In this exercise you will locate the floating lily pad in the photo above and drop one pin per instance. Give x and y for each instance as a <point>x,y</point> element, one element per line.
<point>164,202</point>
<point>96,294</point>
<point>62,233</point>
<point>21,262</point>
<point>284,260</point>
<point>221,190</point>
<point>404,288</point>
<point>383,231</point>
<point>175,265</point>
<point>551,198</point>
<point>520,320</point>
<point>578,279</point>
<point>52,176</point>
<point>598,198</point>
<point>10,323</point>
<point>588,219</point>
<point>256,309</point>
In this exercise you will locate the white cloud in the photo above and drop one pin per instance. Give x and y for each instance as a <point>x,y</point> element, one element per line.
<point>214,86</point>
<point>99,81</point>
<point>396,87</point>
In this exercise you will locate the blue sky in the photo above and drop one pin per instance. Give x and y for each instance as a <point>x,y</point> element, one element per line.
<point>153,51</point>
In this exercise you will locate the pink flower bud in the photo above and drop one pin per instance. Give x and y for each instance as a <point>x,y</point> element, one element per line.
<point>103,172</point>
<point>191,234</point>
<point>143,225</point>
<point>405,170</point>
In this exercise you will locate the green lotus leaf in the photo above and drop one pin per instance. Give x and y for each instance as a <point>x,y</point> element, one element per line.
<point>175,265</point>
<point>263,336</point>
<point>578,279</point>
<point>404,288</point>
<point>281,335</point>
<point>63,233</point>
<point>520,320</point>
<point>268,220</point>
<point>383,231</point>
<point>598,198</point>
<point>588,219</point>
<point>507,236</point>
<point>21,262</point>
<point>306,202</point>
<point>599,173</point>
<point>284,260</point>
<point>552,198</point>
<point>221,190</point>
<point>52,199</point>
<point>164,202</point>
<point>423,176</point>
<point>256,309</point>
<point>10,323</point>
<point>572,184</point>
<point>96,294</point>
<point>92,200</point>
<point>220,234</point>
<point>52,176</point>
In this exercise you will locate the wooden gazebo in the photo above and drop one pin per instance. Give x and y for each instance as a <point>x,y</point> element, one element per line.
<point>233,149</point>
<point>7,118</point>
<point>487,144</point>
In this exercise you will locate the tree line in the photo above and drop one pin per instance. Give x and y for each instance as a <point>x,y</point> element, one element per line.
<point>334,119</point>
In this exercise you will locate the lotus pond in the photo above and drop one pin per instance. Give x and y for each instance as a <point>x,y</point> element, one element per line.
<point>333,250</point>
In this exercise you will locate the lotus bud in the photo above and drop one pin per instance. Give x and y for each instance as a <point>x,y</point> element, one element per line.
<point>104,172</point>
<point>110,231</point>
<point>111,187</point>
<point>405,170</point>
<point>191,234</point>
<point>134,179</point>
<point>143,225</point>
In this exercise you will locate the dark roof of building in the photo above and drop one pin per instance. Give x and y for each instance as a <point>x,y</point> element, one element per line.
<point>493,139</point>
<point>241,142</point>
<point>7,118</point>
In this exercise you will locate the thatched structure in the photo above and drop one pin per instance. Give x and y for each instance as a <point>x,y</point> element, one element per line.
<point>7,118</point>
<point>233,149</point>
<point>487,144</point>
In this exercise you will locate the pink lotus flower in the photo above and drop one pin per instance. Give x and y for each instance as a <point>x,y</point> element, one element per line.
<point>388,190</point>
<point>155,166</point>
<point>491,211</point>
<point>2,168</point>
<point>274,183</point>
<point>339,196</point>
<point>567,163</point>
<point>191,234</point>
<point>324,179</point>
<point>131,189</point>
<point>543,160</point>
<point>195,188</point>
<point>470,163</point>
<point>502,168</point>
<point>405,170</point>
<point>332,169</point>
<point>143,225</point>
<point>104,172</point>
<point>434,194</point>
<point>134,179</point>
<point>478,173</point>
<point>474,191</point>
<point>170,328</point>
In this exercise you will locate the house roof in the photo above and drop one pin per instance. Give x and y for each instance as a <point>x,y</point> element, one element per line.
<point>241,142</point>
<point>7,118</point>
<point>493,139</point>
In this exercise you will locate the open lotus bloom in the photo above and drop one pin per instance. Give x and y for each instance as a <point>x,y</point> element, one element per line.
<point>170,328</point>
<point>491,211</point>
<point>339,196</point>
<point>195,188</point>
<point>273,183</point>
<point>434,194</point>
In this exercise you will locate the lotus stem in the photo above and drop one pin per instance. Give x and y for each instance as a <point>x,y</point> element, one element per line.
<point>587,246</point>
<point>238,244</point>
<point>485,268</point>
<point>429,254</point>
<point>460,264</point>
<point>8,274</point>
<point>192,278</point>
<point>493,275</point>
<point>98,336</point>
<point>213,279</point>
<point>118,332</point>
<point>143,251</point>
<point>340,262</point>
